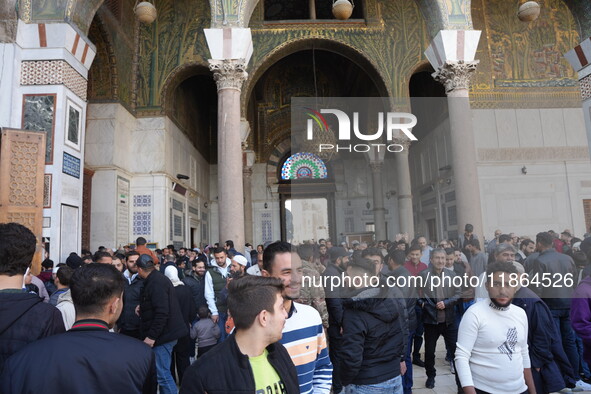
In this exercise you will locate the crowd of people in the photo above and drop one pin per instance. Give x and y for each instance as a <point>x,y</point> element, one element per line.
<point>514,314</point>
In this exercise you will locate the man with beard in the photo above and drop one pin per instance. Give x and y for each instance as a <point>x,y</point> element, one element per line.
<point>526,247</point>
<point>195,279</point>
<point>129,322</point>
<point>303,334</point>
<point>492,353</point>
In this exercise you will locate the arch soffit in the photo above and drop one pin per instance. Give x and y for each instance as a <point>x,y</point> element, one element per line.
<point>178,75</point>
<point>307,43</point>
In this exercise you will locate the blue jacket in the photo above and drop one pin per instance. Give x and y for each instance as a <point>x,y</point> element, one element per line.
<point>86,359</point>
<point>545,347</point>
<point>25,318</point>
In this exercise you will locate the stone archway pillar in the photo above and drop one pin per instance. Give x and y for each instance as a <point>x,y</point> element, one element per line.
<point>580,60</point>
<point>230,49</point>
<point>405,213</point>
<point>452,55</point>
<point>376,162</point>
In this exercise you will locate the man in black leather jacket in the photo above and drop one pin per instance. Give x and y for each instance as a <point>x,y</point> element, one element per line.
<point>438,300</point>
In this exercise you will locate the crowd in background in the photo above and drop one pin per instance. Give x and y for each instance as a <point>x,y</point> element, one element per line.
<point>332,339</point>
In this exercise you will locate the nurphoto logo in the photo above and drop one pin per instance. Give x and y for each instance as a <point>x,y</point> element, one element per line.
<point>393,121</point>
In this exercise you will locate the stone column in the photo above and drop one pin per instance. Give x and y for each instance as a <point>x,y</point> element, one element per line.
<point>580,60</point>
<point>405,212</point>
<point>229,75</point>
<point>376,162</point>
<point>379,213</point>
<point>455,76</point>
<point>247,178</point>
<point>452,55</point>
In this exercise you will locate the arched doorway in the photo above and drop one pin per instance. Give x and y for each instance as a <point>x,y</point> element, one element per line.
<point>308,207</point>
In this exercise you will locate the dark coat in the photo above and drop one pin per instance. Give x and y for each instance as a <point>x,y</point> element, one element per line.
<point>410,294</point>
<point>428,301</point>
<point>545,347</point>
<point>334,304</point>
<point>159,310</point>
<point>83,360</point>
<point>129,320</point>
<point>197,286</point>
<point>225,369</point>
<point>186,304</point>
<point>375,335</point>
<point>25,318</point>
<point>580,315</point>
<point>557,294</point>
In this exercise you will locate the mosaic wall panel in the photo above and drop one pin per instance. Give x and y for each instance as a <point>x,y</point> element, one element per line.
<point>585,85</point>
<point>38,115</point>
<point>71,165</point>
<point>142,223</point>
<point>53,72</point>
<point>73,132</point>
<point>142,200</point>
<point>47,191</point>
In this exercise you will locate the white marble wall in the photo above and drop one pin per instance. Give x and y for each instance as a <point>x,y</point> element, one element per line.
<point>149,152</point>
<point>550,143</point>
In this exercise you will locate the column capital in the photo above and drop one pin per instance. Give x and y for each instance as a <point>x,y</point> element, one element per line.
<point>405,142</point>
<point>455,75</point>
<point>376,166</point>
<point>228,73</point>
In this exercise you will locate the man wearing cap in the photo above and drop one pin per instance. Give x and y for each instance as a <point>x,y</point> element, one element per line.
<point>162,323</point>
<point>238,266</point>
<point>339,258</point>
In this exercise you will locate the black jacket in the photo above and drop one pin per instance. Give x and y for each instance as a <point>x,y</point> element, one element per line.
<point>554,266</point>
<point>25,318</point>
<point>87,359</point>
<point>197,286</point>
<point>410,294</point>
<point>159,310</point>
<point>186,304</point>
<point>545,347</point>
<point>375,336</point>
<point>226,370</point>
<point>334,304</point>
<point>428,301</point>
<point>129,320</point>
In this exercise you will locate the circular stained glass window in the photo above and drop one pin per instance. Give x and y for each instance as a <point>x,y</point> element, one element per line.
<point>303,165</point>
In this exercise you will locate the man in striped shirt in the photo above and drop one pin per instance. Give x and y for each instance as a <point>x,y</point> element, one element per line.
<point>303,334</point>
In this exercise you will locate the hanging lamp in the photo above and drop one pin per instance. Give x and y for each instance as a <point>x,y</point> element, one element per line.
<point>145,12</point>
<point>342,9</point>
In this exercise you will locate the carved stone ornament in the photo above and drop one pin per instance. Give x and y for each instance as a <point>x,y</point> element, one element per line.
<point>405,142</point>
<point>455,74</point>
<point>228,73</point>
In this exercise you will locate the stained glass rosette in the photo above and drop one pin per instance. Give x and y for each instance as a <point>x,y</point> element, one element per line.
<point>303,165</point>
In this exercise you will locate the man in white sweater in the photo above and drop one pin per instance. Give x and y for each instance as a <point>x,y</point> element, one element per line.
<point>492,354</point>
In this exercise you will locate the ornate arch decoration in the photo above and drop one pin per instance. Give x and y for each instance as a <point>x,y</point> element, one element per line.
<point>280,151</point>
<point>368,65</point>
<point>177,76</point>
<point>111,58</point>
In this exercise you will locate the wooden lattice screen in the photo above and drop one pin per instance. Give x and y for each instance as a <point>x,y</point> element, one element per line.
<point>22,167</point>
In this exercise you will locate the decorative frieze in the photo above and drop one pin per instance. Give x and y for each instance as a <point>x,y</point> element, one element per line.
<point>53,72</point>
